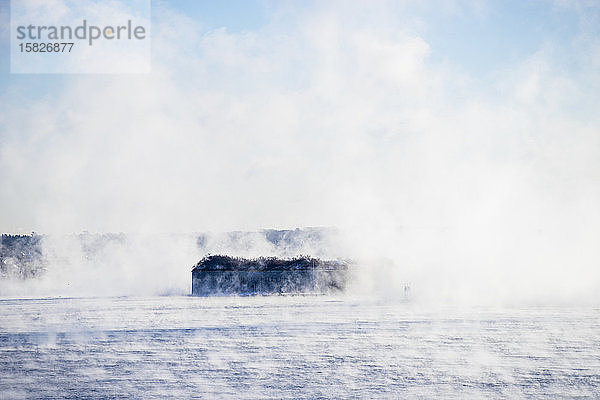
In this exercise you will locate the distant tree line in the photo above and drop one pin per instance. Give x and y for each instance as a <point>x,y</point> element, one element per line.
<point>21,256</point>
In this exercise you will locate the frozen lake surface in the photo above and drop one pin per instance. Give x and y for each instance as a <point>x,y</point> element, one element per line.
<point>292,347</point>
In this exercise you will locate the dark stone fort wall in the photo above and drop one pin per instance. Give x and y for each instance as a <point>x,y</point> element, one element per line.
<point>231,282</point>
<point>239,282</point>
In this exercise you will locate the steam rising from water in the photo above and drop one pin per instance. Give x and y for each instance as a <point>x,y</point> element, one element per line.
<point>470,188</point>
<point>153,264</point>
<point>423,265</point>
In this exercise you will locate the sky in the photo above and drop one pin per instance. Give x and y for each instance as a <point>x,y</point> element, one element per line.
<point>274,114</point>
<point>437,132</point>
